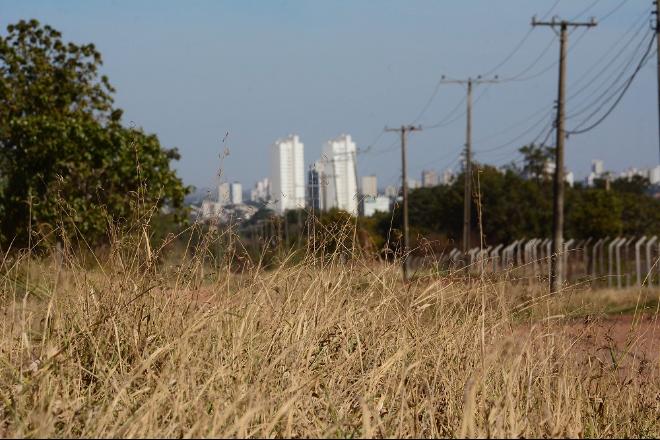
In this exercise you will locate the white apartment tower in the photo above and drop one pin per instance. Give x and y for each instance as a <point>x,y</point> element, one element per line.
<point>224,194</point>
<point>339,169</point>
<point>236,193</point>
<point>287,174</point>
<point>429,178</point>
<point>369,186</point>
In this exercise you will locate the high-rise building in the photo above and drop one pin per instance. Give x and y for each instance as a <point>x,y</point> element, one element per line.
<point>236,193</point>
<point>654,175</point>
<point>369,186</point>
<point>429,178</point>
<point>261,191</point>
<point>224,194</point>
<point>597,167</point>
<point>597,172</point>
<point>339,169</point>
<point>413,184</point>
<point>314,187</point>
<point>287,174</point>
<point>448,177</point>
<point>391,191</point>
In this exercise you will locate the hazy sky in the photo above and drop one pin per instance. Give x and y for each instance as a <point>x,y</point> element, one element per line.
<point>193,71</point>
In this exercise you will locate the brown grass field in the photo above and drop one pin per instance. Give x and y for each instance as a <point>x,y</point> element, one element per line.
<point>323,347</point>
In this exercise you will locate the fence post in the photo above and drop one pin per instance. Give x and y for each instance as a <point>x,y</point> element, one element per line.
<point>610,249</point>
<point>494,254</point>
<point>618,261</point>
<point>585,256</point>
<point>594,257</point>
<point>548,250</point>
<point>638,263</point>
<point>519,252</point>
<point>565,257</point>
<point>649,263</point>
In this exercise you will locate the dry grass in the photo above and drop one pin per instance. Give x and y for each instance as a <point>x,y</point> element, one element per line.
<point>319,348</point>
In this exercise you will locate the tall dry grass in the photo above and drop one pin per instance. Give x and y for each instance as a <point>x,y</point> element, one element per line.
<point>330,346</point>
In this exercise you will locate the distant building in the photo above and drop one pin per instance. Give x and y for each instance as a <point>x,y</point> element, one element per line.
<point>261,191</point>
<point>631,172</point>
<point>375,204</point>
<point>549,170</point>
<point>369,186</point>
<point>597,172</point>
<point>224,194</point>
<point>429,178</point>
<point>236,193</point>
<point>569,177</point>
<point>448,177</point>
<point>597,167</point>
<point>287,174</point>
<point>339,171</point>
<point>654,175</point>
<point>413,184</point>
<point>210,209</point>
<point>391,191</point>
<point>314,187</point>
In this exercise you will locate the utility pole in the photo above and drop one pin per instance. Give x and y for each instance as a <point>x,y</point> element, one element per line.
<point>404,188</point>
<point>657,34</point>
<point>556,261</point>
<point>467,193</point>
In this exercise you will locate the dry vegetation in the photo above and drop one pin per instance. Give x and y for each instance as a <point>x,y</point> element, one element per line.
<point>319,348</point>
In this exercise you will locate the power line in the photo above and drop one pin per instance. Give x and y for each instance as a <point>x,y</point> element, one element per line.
<point>444,122</point>
<point>520,43</point>
<point>518,137</point>
<point>608,84</point>
<point>605,55</point>
<point>585,10</point>
<point>521,78</point>
<point>616,8</point>
<point>620,39</point>
<point>630,80</point>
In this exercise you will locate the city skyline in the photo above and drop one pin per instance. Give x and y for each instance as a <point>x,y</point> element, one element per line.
<point>212,88</point>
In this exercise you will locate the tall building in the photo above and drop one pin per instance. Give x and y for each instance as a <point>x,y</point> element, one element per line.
<point>224,194</point>
<point>261,191</point>
<point>314,187</point>
<point>448,177</point>
<point>287,174</point>
<point>654,175</point>
<point>339,168</point>
<point>413,184</point>
<point>391,191</point>
<point>236,193</point>
<point>597,167</point>
<point>429,178</point>
<point>369,186</point>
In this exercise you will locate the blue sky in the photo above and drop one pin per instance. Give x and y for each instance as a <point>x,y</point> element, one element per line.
<point>193,71</point>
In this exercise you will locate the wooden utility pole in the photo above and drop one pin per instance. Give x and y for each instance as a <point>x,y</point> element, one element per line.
<point>404,189</point>
<point>467,193</point>
<point>657,34</point>
<point>556,260</point>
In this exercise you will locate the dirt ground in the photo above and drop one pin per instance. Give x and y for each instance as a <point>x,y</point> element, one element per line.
<point>629,343</point>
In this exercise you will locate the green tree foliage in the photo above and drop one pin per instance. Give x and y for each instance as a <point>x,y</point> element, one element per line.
<point>65,157</point>
<point>594,212</point>
<point>516,202</point>
<point>535,159</point>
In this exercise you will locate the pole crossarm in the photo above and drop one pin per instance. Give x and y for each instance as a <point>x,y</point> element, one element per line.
<point>554,22</point>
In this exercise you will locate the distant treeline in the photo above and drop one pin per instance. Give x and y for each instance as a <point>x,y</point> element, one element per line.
<point>507,204</point>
